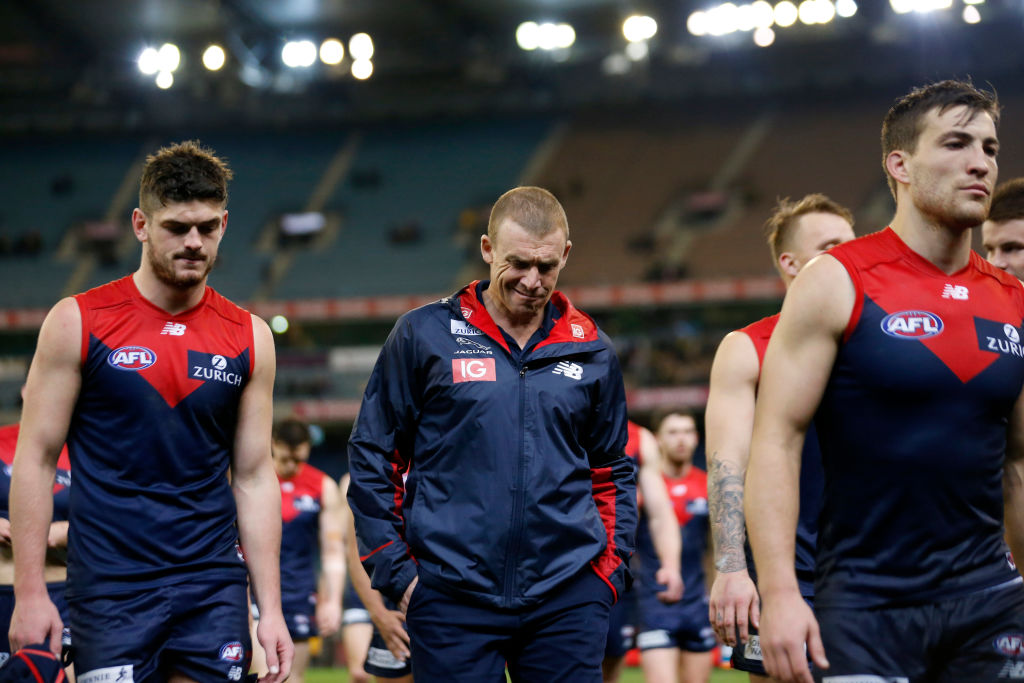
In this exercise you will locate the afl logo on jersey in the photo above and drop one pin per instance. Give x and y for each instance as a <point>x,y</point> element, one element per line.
<point>232,652</point>
<point>131,358</point>
<point>912,325</point>
<point>1010,644</point>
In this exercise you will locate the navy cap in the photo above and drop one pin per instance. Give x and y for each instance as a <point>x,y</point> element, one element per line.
<point>32,664</point>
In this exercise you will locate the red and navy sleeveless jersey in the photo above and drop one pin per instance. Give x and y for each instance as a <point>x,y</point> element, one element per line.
<point>689,496</point>
<point>301,501</point>
<point>151,440</point>
<point>912,428</point>
<point>633,442</point>
<point>812,477</point>
<point>61,484</point>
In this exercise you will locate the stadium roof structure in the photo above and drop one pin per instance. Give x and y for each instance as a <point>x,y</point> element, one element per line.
<point>73,65</point>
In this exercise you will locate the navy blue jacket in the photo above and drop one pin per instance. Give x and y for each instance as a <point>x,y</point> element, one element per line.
<point>491,475</point>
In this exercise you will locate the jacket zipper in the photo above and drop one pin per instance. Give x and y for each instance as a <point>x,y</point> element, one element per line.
<point>517,506</point>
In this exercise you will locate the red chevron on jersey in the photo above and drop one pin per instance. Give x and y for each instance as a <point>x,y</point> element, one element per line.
<point>301,493</point>
<point>760,333</point>
<point>689,494</point>
<point>947,314</point>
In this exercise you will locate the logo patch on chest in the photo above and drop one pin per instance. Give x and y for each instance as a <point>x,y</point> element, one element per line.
<point>1001,338</point>
<point>214,367</point>
<point>912,325</point>
<point>473,370</point>
<point>132,358</point>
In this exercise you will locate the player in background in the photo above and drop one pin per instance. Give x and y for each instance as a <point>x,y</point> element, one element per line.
<point>356,622</point>
<point>1002,233</point>
<point>162,389</point>
<point>382,649</point>
<point>797,232</point>
<point>903,347</point>
<point>676,639</point>
<point>56,569</point>
<point>311,513</point>
<point>654,502</point>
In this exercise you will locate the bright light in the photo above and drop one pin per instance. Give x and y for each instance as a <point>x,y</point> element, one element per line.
<point>764,36</point>
<point>846,8</point>
<point>639,27</point>
<point>637,51</point>
<point>279,324</point>
<point>971,14</point>
<point>817,11</point>
<point>723,19</point>
<point>974,2</point>
<point>214,57</point>
<point>905,6</point>
<point>565,36</point>
<point>763,15</point>
<point>168,57</point>
<point>298,53</point>
<point>547,36</point>
<point>697,23</point>
<point>745,18</point>
<point>360,46</point>
<point>826,11</point>
<point>332,51</point>
<point>362,69</point>
<point>786,13</point>
<point>528,35</point>
<point>164,80</point>
<point>149,61</point>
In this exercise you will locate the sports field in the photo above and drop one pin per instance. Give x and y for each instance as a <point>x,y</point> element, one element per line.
<point>630,675</point>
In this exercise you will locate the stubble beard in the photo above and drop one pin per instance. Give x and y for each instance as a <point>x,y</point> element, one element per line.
<point>163,268</point>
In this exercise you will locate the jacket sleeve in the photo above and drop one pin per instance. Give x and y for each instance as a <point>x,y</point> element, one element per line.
<point>613,476</point>
<point>378,458</point>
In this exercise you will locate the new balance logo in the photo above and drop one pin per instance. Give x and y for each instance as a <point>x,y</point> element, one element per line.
<point>174,329</point>
<point>567,369</point>
<point>958,292</point>
<point>1013,670</point>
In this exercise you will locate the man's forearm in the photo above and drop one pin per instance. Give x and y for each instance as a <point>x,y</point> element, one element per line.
<point>31,509</point>
<point>259,529</point>
<point>725,504</point>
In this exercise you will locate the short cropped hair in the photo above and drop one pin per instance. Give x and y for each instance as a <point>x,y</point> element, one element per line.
<point>292,432</point>
<point>903,123</point>
<point>1007,201</point>
<point>183,172</point>
<point>664,414</point>
<point>534,208</point>
<point>778,229</point>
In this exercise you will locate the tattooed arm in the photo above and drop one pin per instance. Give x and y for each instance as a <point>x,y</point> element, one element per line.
<point>729,422</point>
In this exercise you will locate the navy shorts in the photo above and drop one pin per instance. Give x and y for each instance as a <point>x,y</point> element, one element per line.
<point>747,656</point>
<point>560,639</point>
<point>379,660</point>
<point>622,626</point>
<point>199,628</point>
<point>56,591</point>
<point>300,615</point>
<point>683,625</point>
<point>977,638</point>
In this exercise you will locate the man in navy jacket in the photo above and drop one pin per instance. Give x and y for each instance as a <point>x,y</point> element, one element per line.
<point>492,497</point>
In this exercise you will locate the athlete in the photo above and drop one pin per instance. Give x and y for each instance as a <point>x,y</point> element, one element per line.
<point>55,572</point>
<point>904,347</point>
<point>505,406</point>
<point>676,640</point>
<point>653,498</point>
<point>381,649</point>
<point>311,522</point>
<point>161,388</point>
<point>797,232</point>
<point>1002,232</point>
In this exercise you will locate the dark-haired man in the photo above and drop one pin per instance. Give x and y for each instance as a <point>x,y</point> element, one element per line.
<point>162,388</point>
<point>1002,233</point>
<point>797,231</point>
<point>903,346</point>
<point>505,406</point>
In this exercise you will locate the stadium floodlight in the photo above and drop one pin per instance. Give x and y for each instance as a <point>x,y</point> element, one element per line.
<point>528,36</point>
<point>214,57</point>
<point>168,57</point>
<point>922,6</point>
<point>547,36</point>
<point>764,17</point>
<point>971,14</point>
<point>786,14</point>
<point>362,69</point>
<point>974,2</point>
<point>764,36</point>
<point>723,19</point>
<point>637,51</point>
<point>332,51</point>
<point>164,80</point>
<point>697,23</point>
<point>639,27</point>
<point>817,11</point>
<point>846,8</point>
<point>565,36</point>
<point>745,18</point>
<point>149,61</point>
<point>298,53</point>
<point>279,324</point>
<point>360,46</point>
